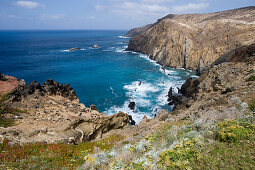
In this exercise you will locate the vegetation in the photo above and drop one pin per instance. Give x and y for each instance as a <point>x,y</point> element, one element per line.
<point>252,105</point>
<point>7,122</point>
<point>251,78</point>
<point>235,149</point>
<point>51,156</point>
<point>234,131</point>
<point>180,156</point>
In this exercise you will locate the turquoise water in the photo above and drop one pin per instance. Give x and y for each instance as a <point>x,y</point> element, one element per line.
<point>108,77</point>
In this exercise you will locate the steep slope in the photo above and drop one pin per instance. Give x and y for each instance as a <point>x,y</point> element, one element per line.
<point>194,41</point>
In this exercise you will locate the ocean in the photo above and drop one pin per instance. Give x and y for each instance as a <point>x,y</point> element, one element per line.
<point>108,76</point>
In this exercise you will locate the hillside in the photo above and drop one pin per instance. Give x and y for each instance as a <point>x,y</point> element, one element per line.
<point>194,41</point>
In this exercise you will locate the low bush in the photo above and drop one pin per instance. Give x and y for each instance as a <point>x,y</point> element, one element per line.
<point>180,156</point>
<point>234,131</point>
<point>251,78</point>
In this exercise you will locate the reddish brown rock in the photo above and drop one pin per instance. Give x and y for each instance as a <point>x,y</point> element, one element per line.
<point>7,84</point>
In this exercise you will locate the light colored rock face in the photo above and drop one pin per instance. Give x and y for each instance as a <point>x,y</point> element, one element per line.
<point>194,41</point>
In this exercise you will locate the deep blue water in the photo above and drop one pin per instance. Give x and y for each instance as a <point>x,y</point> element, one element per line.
<point>107,77</point>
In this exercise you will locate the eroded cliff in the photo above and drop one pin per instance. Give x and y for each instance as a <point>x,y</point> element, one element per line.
<point>194,41</point>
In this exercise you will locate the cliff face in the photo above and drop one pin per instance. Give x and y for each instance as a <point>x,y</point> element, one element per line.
<point>194,41</point>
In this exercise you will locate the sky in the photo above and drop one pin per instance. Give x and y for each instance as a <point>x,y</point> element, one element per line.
<point>101,14</point>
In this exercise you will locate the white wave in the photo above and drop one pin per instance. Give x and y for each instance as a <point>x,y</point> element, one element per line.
<point>120,50</point>
<point>64,50</point>
<point>137,116</point>
<point>115,94</point>
<point>195,76</point>
<point>141,89</point>
<point>123,37</point>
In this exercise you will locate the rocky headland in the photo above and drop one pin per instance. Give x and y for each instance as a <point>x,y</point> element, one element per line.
<point>194,41</point>
<point>51,113</point>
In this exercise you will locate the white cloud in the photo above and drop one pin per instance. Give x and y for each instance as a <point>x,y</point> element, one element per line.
<point>156,1</point>
<point>51,17</point>
<point>12,16</point>
<point>28,4</point>
<point>136,10</point>
<point>191,7</point>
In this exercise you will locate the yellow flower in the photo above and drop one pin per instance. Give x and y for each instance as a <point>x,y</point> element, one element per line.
<point>167,161</point>
<point>177,146</point>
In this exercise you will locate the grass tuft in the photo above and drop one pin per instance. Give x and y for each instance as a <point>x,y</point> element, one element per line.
<point>251,78</point>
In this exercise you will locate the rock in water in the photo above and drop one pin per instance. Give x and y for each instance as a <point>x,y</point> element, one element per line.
<point>95,46</point>
<point>74,49</point>
<point>170,94</point>
<point>132,105</point>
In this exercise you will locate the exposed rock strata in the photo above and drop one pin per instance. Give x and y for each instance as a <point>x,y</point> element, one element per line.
<point>54,114</point>
<point>222,91</point>
<point>195,41</point>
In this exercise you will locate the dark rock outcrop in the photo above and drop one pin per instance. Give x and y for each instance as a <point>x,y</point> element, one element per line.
<point>49,87</point>
<point>132,105</point>
<point>190,87</point>
<point>131,121</point>
<point>2,78</point>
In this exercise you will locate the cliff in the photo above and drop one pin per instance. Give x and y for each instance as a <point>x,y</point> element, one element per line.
<point>194,41</point>
<point>50,113</point>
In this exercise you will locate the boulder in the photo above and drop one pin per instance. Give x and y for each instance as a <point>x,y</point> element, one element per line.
<point>132,105</point>
<point>93,107</point>
<point>162,115</point>
<point>170,94</point>
<point>131,121</point>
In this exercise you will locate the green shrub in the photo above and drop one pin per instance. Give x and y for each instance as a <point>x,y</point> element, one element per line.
<point>180,156</point>
<point>251,78</point>
<point>6,122</point>
<point>233,131</point>
<point>252,105</point>
<point>4,97</point>
<point>50,156</point>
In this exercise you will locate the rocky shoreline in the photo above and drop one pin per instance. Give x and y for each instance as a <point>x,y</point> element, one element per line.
<point>52,113</point>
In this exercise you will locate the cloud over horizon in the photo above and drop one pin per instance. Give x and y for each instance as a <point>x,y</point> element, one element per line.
<point>28,4</point>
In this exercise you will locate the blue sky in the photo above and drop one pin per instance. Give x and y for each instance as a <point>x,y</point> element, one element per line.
<point>101,14</point>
